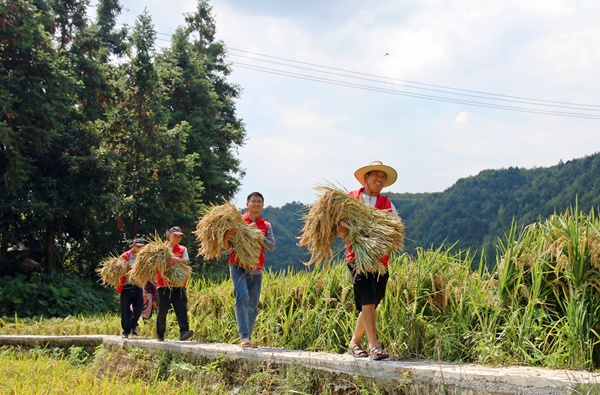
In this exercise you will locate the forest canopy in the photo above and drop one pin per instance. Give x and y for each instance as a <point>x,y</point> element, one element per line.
<point>102,136</point>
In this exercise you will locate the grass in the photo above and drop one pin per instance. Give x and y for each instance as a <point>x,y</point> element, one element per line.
<point>136,371</point>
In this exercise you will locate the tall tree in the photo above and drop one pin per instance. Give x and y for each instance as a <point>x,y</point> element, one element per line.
<point>154,183</point>
<point>203,98</point>
<point>36,97</point>
<point>54,179</point>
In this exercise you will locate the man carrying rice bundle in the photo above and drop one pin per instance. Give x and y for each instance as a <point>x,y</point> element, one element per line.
<point>131,295</point>
<point>247,282</point>
<point>369,287</point>
<point>168,295</point>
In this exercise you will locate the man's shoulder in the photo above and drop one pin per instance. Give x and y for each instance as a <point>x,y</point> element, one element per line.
<point>263,219</point>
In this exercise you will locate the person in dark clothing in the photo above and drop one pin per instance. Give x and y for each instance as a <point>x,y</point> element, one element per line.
<point>131,295</point>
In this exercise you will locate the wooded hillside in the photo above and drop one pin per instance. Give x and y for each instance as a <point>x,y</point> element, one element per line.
<point>473,213</point>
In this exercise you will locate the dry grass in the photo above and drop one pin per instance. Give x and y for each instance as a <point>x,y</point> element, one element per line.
<point>112,270</point>
<point>216,220</point>
<point>150,260</point>
<point>372,233</point>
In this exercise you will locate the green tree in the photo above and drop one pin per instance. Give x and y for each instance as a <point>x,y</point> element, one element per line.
<point>204,99</point>
<point>38,89</point>
<point>152,174</point>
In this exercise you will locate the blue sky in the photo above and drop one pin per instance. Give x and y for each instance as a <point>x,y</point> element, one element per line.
<point>302,133</point>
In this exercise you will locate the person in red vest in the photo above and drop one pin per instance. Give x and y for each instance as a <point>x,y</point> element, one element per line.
<point>369,289</point>
<point>131,295</point>
<point>247,282</point>
<point>167,296</point>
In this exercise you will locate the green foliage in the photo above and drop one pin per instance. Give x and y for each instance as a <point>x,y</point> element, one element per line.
<point>95,152</point>
<point>471,215</point>
<point>134,371</point>
<point>478,210</point>
<point>287,223</point>
<point>52,296</point>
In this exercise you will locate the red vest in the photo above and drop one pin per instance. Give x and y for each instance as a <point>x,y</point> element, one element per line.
<point>178,252</point>
<point>382,203</point>
<point>261,224</point>
<point>125,256</point>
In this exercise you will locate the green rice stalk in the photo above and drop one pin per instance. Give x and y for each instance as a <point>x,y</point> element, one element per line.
<point>150,260</point>
<point>177,275</point>
<point>372,233</point>
<point>112,269</point>
<point>216,220</point>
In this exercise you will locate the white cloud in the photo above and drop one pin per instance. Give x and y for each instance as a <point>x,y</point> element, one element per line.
<point>301,133</point>
<point>461,118</point>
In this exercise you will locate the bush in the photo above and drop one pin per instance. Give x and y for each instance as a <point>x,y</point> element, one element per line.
<point>52,295</point>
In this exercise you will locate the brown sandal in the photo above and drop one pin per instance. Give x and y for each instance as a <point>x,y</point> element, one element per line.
<point>357,351</point>
<point>247,345</point>
<point>377,354</point>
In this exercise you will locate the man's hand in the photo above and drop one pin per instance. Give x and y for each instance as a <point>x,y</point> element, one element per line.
<point>228,235</point>
<point>172,261</point>
<point>341,230</point>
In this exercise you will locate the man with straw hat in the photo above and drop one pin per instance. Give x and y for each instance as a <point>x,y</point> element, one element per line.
<point>173,296</point>
<point>131,296</point>
<point>369,289</point>
<point>247,282</point>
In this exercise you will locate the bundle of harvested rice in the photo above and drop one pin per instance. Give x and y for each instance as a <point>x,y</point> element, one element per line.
<point>247,242</point>
<point>177,275</point>
<point>214,222</point>
<point>112,270</point>
<point>372,233</point>
<point>150,260</point>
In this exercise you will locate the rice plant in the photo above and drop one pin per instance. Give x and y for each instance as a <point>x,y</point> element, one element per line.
<point>540,306</point>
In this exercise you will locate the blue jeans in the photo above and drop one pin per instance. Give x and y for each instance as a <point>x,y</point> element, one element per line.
<point>246,289</point>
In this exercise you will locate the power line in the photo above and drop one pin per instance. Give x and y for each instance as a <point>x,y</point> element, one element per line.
<point>416,95</point>
<point>395,82</point>
<point>359,80</point>
<point>595,107</point>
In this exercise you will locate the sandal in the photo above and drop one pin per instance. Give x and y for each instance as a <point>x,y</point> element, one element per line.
<point>357,352</point>
<point>377,354</point>
<point>246,345</point>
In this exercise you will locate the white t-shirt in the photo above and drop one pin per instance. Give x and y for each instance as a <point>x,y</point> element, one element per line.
<point>371,200</point>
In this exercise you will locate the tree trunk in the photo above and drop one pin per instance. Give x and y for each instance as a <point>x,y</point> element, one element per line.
<point>49,252</point>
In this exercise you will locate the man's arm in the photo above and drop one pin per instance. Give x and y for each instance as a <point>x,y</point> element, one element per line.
<point>270,239</point>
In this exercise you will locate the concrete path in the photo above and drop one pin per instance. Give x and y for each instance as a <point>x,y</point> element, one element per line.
<point>395,376</point>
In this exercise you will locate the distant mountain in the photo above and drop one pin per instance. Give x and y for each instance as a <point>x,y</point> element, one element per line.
<point>473,213</point>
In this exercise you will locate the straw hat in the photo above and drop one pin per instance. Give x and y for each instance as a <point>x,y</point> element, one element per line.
<point>376,165</point>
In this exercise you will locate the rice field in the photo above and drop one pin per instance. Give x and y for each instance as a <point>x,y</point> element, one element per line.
<point>539,307</point>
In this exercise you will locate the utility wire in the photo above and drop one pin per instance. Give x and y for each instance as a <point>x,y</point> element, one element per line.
<point>596,107</point>
<point>488,96</point>
<point>454,95</point>
<point>417,95</point>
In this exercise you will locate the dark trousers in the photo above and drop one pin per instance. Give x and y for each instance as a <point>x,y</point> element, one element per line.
<point>165,298</point>
<point>131,297</point>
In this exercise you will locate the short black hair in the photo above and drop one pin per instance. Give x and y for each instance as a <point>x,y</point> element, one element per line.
<point>255,194</point>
